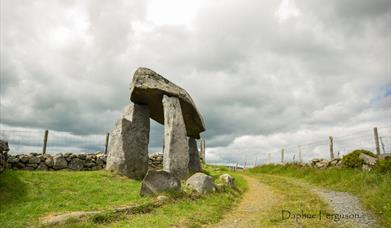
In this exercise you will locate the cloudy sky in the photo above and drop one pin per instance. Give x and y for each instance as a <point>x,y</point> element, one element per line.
<point>264,74</point>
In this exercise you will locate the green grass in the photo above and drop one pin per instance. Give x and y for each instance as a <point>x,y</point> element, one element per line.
<point>292,197</point>
<point>26,196</point>
<point>373,189</point>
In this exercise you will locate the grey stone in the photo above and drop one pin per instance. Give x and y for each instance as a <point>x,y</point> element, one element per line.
<point>227,180</point>
<point>148,87</point>
<point>385,156</point>
<point>201,183</point>
<point>176,148</point>
<point>49,161</point>
<point>24,158</point>
<point>128,144</point>
<point>42,166</point>
<point>194,156</point>
<point>34,160</point>
<point>82,156</point>
<point>12,159</point>
<point>59,162</point>
<point>20,165</point>
<point>89,164</point>
<point>76,164</point>
<point>159,181</point>
<point>34,165</point>
<point>369,160</point>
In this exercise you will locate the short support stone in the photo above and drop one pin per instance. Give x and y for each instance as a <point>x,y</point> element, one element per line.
<point>128,144</point>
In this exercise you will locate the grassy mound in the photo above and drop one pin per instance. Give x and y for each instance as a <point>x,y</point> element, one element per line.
<point>352,159</point>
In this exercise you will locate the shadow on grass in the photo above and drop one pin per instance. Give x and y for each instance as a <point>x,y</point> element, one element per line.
<point>12,189</point>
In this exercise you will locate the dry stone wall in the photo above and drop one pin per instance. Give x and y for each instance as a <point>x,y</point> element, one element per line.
<point>3,155</point>
<point>69,161</point>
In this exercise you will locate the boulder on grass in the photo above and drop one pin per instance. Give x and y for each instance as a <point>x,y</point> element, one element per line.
<point>157,181</point>
<point>227,180</point>
<point>201,183</point>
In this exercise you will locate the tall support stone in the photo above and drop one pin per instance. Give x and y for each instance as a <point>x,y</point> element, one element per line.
<point>176,148</point>
<point>202,150</point>
<point>194,160</point>
<point>128,144</point>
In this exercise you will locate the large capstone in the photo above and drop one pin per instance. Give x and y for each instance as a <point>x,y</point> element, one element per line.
<point>176,148</point>
<point>128,144</point>
<point>194,159</point>
<point>159,181</point>
<point>148,88</point>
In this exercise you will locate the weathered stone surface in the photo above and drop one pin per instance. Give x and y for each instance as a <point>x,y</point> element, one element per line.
<point>227,180</point>
<point>176,148</point>
<point>148,88</point>
<point>369,160</point>
<point>42,167</point>
<point>194,156</point>
<point>34,160</point>
<point>3,155</point>
<point>24,158</point>
<point>49,161</point>
<point>159,181</point>
<point>76,164</point>
<point>128,146</point>
<point>59,162</point>
<point>201,183</point>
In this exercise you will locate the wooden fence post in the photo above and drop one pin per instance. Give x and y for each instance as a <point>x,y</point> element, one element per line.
<point>245,164</point>
<point>282,156</point>
<point>269,158</point>
<point>300,160</point>
<point>331,147</point>
<point>376,135</point>
<point>45,141</point>
<point>107,142</point>
<point>255,163</point>
<point>382,144</point>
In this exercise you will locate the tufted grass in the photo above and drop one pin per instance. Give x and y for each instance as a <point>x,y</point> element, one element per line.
<point>373,189</point>
<point>25,195</point>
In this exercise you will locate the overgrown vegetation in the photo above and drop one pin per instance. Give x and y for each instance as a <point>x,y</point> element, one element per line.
<point>352,159</point>
<point>372,188</point>
<point>26,196</point>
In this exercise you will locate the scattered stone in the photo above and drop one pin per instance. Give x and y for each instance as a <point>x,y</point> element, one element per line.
<point>148,87</point>
<point>159,181</point>
<point>201,183</point>
<point>227,180</point>
<point>369,160</point>
<point>162,198</point>
<point>63,218</point>
<point>128,146</point>
<point>176,148</point>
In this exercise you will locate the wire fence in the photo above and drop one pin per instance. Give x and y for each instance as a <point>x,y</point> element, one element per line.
<point>32,141</point>
<point>342,144</point>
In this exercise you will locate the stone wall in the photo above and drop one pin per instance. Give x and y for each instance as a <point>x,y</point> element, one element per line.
<point>3,155</point>
<point>69,161</point>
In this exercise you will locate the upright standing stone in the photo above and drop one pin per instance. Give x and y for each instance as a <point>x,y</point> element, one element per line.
<point>176,148</point>
<point>202,150</point>
<point>194,160</point>
<point>128,144</point>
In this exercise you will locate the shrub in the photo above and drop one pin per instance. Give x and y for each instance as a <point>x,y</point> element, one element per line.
<point>383,166</point>
<point>352,159</point>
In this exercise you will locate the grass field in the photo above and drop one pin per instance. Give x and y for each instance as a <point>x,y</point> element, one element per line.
<point>26,196</point>
<point>373,189</point>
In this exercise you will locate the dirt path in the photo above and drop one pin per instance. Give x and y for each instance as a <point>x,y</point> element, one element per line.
<point>257,199</point>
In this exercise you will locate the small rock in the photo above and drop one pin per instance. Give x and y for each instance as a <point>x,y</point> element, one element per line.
<point>369,160</point>
<point>42,166</point>
<point>34,160</point>
<point>24,158</point>
<point>89,164</point>
<point>159,181</point>
<point>59,162</point>
<point>227,180</point>
<point>201,182</point>
<point>76,164</point>
<point>49,161</point>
